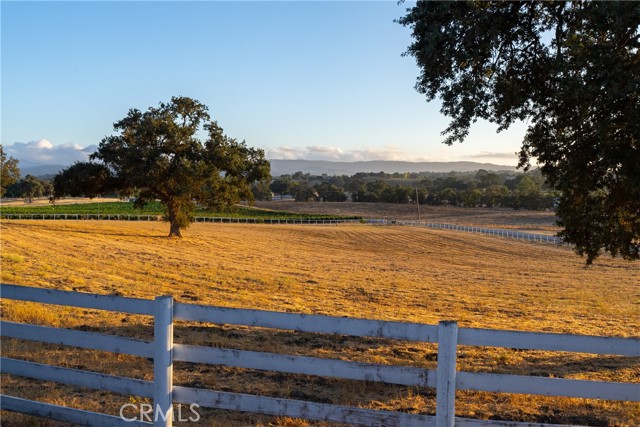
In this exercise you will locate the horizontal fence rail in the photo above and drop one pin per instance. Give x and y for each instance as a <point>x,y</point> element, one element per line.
<point>319,221</point>
<point>406,330</point>
<point>70,337</point>
<point>549,341</point>
<point>87,216</point>
<point>299,409</point>
<point>63,413</point>
<point>446,379</point>
<point>38,371</point>
<point>521,384</point>
<point>78,299</point>
<point>307,322</point>
<point>403,375</point>
<point>212,219</point>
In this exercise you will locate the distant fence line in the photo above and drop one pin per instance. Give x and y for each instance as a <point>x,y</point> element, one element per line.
<point>214,219</point>
<point>445,378</point>
<point>499,232</point>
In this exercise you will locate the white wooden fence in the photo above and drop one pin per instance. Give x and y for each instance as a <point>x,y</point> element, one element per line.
<point>446,379</point>
<point>215,219</point>
<point>499,232</point>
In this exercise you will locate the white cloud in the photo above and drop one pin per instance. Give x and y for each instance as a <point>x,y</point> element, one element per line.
<point>43,152</point>
<point>317,152</point>
<point>489,155</point>
<point>286,153</point>
<point>498,157</point>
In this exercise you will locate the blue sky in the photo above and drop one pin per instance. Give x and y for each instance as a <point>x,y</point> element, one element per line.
<point>315,80</point>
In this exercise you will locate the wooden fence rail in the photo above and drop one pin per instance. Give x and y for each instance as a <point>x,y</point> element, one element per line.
<point>446,378</point>
<point>498,232</point>
<point>212,219</point>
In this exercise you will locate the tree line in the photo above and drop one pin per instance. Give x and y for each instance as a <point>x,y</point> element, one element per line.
<point>482,188</point>
<point>30,187</point>
<point>13,185</point>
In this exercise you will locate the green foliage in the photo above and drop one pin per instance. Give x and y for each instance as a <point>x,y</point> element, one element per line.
<point>572,71</point>
<point>261,191</point>
<point>330,192</point>
<point>524,191</point>
<point>47,187</point>
<point>83,179</point>
<point>304,193</point>
<point>480,188</point>
<point>301,176</point>
<point>155,208</point>
<point>282,186</point>
<point>31,187</point>
<point>9,172</point>
<point>157,154</point>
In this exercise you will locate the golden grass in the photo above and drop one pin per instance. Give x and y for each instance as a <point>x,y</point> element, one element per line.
<point>523,220</point>
<point>390,273</point>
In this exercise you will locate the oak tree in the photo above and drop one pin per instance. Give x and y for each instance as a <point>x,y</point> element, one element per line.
<point>160,155</point>
<point>571,70</point>
<point>83,179</point>
<point>30,188</point>
<point>10,174</point>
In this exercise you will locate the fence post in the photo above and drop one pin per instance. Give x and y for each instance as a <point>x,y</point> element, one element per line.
<point>163,362</point>
<point>446,374</point>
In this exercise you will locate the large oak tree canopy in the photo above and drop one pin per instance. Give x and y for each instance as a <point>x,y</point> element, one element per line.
<point>158,155</point>
<point>9,172</point>
<point>571,70</point>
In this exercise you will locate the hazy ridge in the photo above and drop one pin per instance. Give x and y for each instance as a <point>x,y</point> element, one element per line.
<point>319,167</point>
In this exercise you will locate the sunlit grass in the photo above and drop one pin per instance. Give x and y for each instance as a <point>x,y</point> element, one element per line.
<point>390,273</point>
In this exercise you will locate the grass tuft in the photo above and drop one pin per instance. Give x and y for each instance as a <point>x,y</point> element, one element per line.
<point>11,257</point>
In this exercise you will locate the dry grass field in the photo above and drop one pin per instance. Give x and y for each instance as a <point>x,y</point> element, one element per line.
<point>390,273</point>
<point>531,221</point>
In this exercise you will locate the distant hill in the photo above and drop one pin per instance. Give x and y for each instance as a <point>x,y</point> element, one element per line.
<point>42,171</point>
<point>319,167</point>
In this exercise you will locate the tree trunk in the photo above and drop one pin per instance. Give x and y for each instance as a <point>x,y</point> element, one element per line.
<point>173,220</point>
<point>175,230</point>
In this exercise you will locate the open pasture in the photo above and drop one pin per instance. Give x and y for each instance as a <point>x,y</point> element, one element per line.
<point>390,273</point>
<point>524,220</point>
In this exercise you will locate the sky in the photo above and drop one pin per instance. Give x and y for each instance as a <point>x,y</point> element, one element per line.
<point>304,80</point>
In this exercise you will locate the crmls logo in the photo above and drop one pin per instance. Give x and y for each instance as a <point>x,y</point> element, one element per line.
<point>145,412</point>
